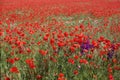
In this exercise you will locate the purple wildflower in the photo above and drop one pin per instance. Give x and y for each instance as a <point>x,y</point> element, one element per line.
<point>111,52</point>
<point>86,46</point>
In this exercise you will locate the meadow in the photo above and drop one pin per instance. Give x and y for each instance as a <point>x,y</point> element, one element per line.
<point>59,40</point>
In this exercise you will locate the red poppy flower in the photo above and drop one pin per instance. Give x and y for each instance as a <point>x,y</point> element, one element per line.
<point>7,78</point>
<point>16,58</point>
<point>83,61</point>
<point>72,49</point>
<point>43,52</point>
<point>61,44</point>
<point>70,60</point>
<point>111,77</point>
<point>76,57</point>
<point>39,77</point>
<point>38,43</point>
<point>28,50</point>
<point>12,61</point>
<point>30,62</point>
<point>114,60</point>
<point>66,34</point>
<point>61,78</point>
<point>109,69</point>
<point>61,75</point>
<point>117,67</point>
<point>52,41</point>
<point>14,70</point>
<point>89,56</point>
<point>45,38</point>
<point>75,72</point>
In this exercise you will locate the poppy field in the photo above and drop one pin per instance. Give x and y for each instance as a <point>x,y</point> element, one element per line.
<point>59,40</point>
